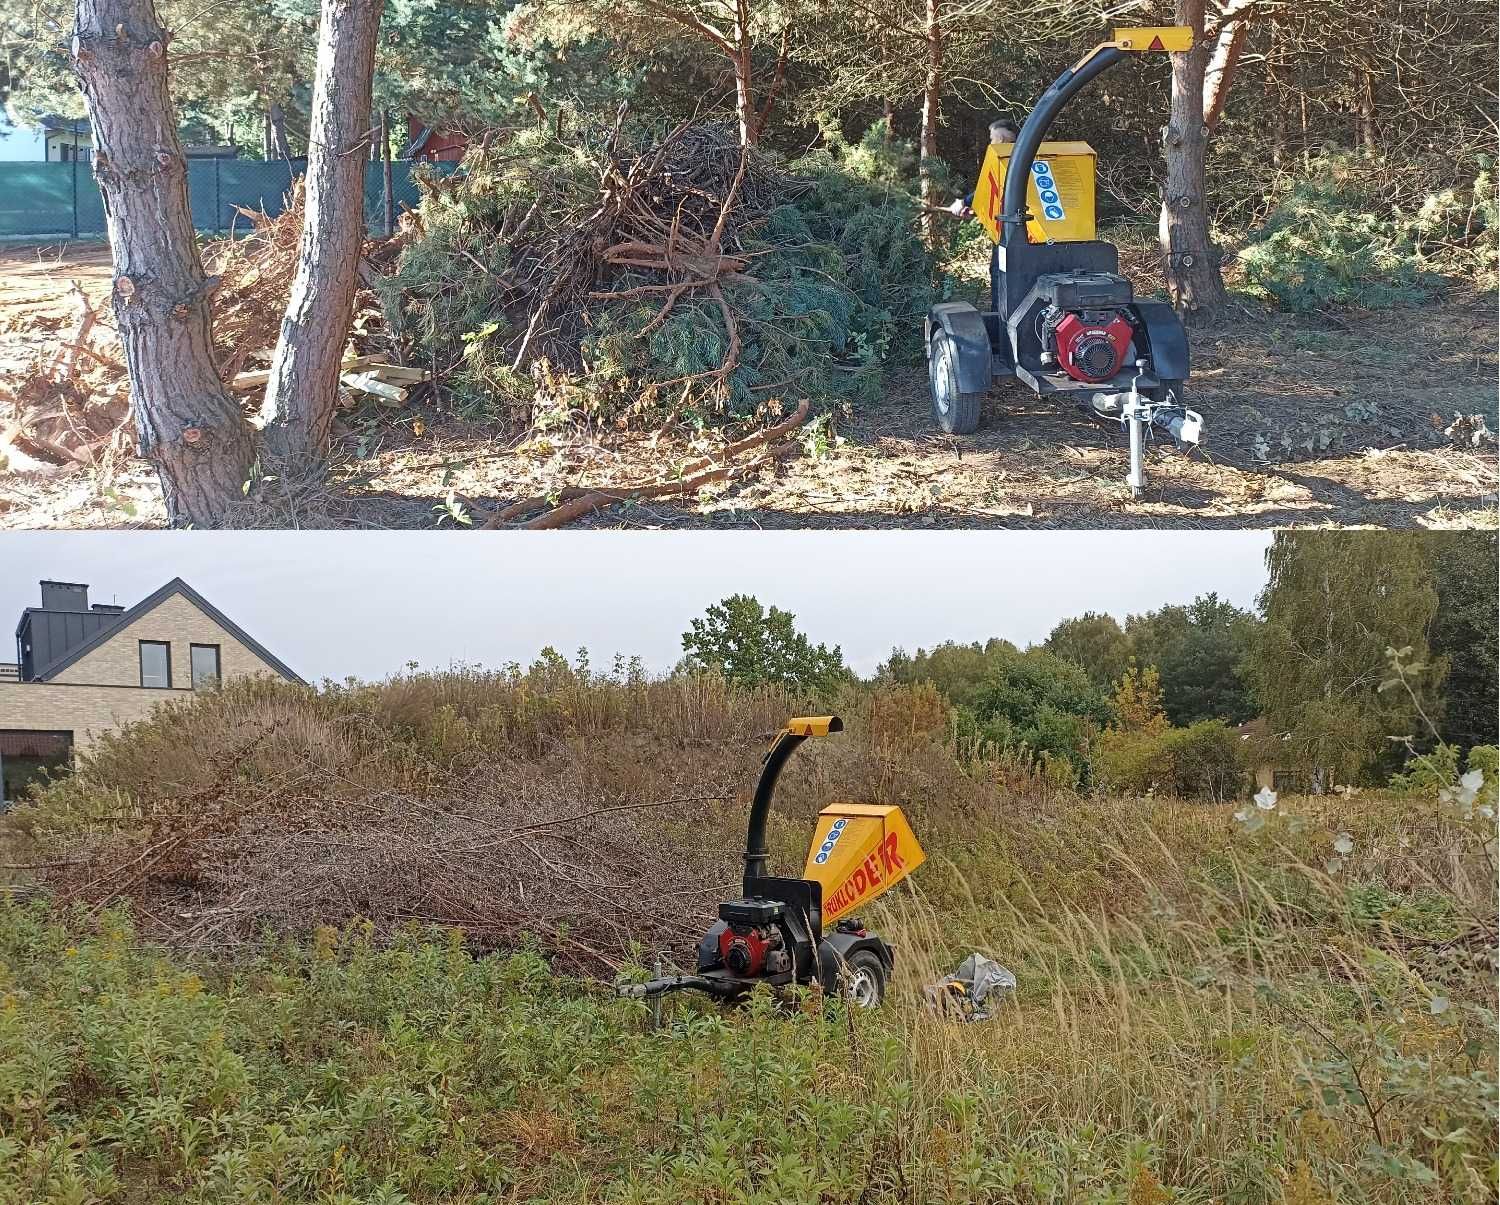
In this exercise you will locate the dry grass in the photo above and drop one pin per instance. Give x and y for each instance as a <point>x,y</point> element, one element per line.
<point>1202,1011</point>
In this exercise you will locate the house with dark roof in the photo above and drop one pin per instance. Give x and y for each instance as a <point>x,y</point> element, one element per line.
<point>83,670</point>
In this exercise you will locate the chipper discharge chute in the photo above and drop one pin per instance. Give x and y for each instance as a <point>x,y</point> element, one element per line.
<point>1061,319</point>
<point>783,931</point>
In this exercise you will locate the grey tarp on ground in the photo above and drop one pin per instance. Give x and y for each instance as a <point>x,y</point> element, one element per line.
<point>984,983</point>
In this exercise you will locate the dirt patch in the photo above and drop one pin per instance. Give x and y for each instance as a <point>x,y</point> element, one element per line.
<point>35,299</point>
<point>1330,420</point>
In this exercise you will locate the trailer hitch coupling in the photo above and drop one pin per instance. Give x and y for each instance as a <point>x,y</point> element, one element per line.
<point>1139,413</point>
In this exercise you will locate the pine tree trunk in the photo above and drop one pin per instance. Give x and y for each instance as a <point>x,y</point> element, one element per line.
<point>1192,262</point>
<point>1274,99</point>
<point>1368,143</point>
<point>744,97</point>
<point>186,422</point>
<point>279,147</point>
<point>302,393</point>
<point>931,113</point>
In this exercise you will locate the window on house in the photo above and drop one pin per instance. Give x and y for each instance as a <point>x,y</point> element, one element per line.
<point>205,666</point>
<point>27,757</point>
<point>156,663</point>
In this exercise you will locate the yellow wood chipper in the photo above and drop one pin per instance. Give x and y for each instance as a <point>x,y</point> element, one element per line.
<point>1061,318</point>
<point>784,931</point>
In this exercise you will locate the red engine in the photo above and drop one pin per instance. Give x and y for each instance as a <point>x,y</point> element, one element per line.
<point>1092,345</point>
<point>750,950</point>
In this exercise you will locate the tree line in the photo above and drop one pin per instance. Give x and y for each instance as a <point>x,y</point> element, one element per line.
<point>1363,648</point>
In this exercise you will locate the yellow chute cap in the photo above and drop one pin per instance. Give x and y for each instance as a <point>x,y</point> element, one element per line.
<point>814,725</point>
<point>1154,37</point>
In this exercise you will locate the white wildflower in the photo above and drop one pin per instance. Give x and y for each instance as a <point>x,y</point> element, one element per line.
<point>1343,844</point>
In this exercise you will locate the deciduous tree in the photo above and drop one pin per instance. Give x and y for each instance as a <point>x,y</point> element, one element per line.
<point>1094,642</point>
<point>746,644</point>
<point>1334,605</point>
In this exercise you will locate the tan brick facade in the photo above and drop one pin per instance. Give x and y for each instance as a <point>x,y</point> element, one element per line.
<point>85,711</point>
<point>117,662</point>
<point>102,691</point>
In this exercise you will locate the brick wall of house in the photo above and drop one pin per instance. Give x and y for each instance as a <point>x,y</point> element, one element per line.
<point>102,690</point>
<point>86,711</point>
<point>117,662</point>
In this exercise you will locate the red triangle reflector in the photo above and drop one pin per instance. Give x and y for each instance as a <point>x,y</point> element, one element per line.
<point>1156,43</point>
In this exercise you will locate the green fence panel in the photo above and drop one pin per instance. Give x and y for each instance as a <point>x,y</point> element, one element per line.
<point>61,200</point>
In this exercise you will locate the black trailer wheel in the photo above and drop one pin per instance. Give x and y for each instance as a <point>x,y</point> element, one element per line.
<point>955,412</point>
<point>863,978</point>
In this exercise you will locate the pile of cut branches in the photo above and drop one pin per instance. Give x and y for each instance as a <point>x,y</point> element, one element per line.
<point>69,405</point>
<point>509,849</point>
<point>625,275</point>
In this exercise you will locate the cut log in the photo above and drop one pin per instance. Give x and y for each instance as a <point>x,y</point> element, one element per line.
<point>369,382</point>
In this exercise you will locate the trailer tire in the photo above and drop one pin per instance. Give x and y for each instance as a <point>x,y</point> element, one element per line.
<point>863,978</point>
<point>954,412</point>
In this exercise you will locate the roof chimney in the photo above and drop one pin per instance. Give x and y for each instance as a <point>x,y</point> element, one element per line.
<point>64,596</point>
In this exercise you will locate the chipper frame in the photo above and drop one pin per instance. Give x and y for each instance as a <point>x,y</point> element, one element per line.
<point>774,933</point>
<point>1062,320</point>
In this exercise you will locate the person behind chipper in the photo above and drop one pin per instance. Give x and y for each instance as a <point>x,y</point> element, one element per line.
<point>1002,130</point>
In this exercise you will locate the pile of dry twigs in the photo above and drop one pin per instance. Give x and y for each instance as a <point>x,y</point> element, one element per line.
<point>70,405</point>
<point>508,850</point>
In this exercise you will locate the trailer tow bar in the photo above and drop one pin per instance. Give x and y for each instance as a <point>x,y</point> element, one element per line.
<point>1138,414</point>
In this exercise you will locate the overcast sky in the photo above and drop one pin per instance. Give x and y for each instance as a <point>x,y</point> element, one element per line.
<point>337,604</point>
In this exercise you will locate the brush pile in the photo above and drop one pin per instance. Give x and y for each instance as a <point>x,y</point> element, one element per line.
<point>623,274</point>
<point>463,804</point>
<point>70,404</point>
<point>507,858</point>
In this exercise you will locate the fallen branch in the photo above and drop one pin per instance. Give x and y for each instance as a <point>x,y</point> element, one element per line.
<point>577,502</point>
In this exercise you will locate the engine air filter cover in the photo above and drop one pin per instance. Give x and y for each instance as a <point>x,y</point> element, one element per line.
<point>1073,291</point>
<point>1091,347</point>
<point>751,911</point>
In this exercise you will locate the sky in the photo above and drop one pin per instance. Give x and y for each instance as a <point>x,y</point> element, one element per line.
<point>363,604</point>
<point>17,143</point>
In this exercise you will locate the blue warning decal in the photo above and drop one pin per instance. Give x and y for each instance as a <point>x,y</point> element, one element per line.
<point>831,840</point>
<point>1046,191</point>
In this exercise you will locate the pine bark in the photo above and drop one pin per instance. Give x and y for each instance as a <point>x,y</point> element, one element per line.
<point>932,93</point>
<point>1192,262</point>
<point>186,422</point>
<point>302,394</point>
<point>744,69</point>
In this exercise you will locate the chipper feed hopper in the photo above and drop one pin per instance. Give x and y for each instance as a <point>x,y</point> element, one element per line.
<point>802,931</point>
<point>1061,318</point>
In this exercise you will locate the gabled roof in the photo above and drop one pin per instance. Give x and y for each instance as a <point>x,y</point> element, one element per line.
<point>64,125</point>
<point>150,603</point>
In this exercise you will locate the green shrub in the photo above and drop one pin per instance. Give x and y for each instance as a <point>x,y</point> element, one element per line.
<point>1203,761</point>
<point>1428,773</point>
<point>1334,239</point>
<point>835,282</point>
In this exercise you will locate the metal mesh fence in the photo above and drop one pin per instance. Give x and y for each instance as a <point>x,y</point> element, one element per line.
<point>61,200</point>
